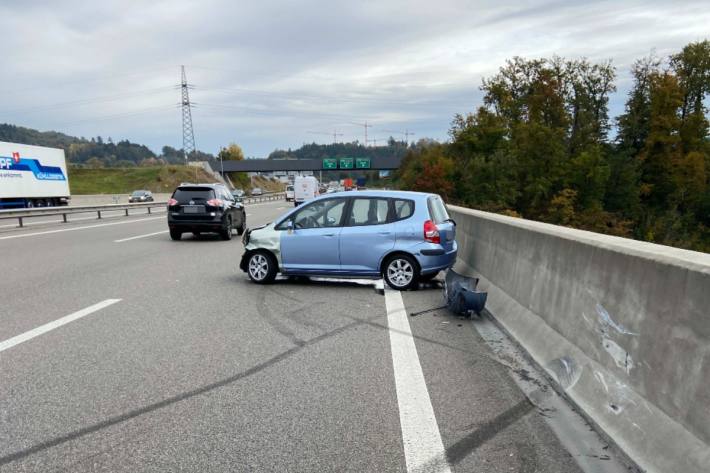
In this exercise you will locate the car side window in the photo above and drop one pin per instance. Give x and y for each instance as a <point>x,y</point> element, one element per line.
<point>320,214</point>
<point>403,209</point>
<point>368,211</point>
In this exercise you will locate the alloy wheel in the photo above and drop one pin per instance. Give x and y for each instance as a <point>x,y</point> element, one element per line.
<point>400,272</point>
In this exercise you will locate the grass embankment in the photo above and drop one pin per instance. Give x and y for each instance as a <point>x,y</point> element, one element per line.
<point>125,180</point>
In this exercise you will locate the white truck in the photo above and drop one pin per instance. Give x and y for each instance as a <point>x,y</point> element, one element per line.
<point>32,176</point>
<point>304,188</point>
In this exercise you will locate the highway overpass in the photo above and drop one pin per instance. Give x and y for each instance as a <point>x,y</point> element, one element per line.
<point>124,351</point>
<point>377,163</point>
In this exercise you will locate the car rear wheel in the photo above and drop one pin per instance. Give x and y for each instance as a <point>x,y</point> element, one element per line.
<point>261,268</point>
<point>227,232</point>
<point>175,235</point>
<point>401,272</point>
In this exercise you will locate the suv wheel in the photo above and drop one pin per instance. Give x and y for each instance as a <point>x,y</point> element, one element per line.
<point>227,232</point>
<point>261,268</point>
<point>401,272</point>
<point>175,235</point>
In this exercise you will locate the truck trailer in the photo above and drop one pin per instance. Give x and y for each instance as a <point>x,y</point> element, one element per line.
<point>32,176</point>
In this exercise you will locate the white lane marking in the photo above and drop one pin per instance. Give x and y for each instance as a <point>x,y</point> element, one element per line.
<point>248,215</point>
<point>423,447</point>
<point>79,228</point>
<point>140,236</point>
<point>42,329</point>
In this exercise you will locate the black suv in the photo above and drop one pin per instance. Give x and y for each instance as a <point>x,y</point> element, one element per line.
<point>200,208</point>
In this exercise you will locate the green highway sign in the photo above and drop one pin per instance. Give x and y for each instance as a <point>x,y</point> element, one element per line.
<point>362,163</point>
<point>346,163</point>
<point>330,163</point>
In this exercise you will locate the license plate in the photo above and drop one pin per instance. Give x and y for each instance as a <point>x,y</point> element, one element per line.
<point>193,209</point>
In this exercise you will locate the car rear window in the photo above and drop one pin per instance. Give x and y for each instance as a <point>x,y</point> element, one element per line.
<point>186,194</point>
<point>369,211</point>
<point>437,209</point>
<point>403,209</point>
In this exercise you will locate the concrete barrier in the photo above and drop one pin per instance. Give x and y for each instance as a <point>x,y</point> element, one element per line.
<point>623,327</point>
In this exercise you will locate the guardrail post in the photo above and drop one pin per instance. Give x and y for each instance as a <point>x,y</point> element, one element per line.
<point>20,219</point>
<point>64,218</point>
<point>99,212</point>
<point>148,209</point>
<point>126,212</point>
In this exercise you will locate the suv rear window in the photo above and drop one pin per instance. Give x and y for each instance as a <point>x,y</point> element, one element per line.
<point>437,209</point>
<point>186,194</point>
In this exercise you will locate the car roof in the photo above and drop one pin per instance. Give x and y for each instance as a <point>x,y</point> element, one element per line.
<point>383,193</point>
<point>212,185</point>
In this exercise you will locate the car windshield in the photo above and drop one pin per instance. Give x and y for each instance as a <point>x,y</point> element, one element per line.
<point>137,193</point>
<point>289,188</point>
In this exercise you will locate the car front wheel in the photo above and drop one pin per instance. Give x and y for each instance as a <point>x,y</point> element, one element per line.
<point>261,268</point>
<point>401,272</point>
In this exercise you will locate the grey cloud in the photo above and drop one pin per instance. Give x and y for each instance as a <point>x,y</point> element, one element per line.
<point>267,72</point>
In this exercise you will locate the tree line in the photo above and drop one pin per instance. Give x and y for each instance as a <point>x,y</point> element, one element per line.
<point>543,146</point>
<point>97,152</point>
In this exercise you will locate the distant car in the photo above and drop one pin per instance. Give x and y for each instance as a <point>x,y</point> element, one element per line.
<point>141,196</point>
<point>257,191</point>
<point>238,193</point>
<point>290,193</point>
<point>405,237</point>
<point>208,208</point>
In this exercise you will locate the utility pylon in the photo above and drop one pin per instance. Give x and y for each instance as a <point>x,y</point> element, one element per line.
<point>406,134</point>
<point>188,135</point>
<point>364,125</point>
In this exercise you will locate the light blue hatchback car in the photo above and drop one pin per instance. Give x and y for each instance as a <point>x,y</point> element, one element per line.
<point>405,237</point>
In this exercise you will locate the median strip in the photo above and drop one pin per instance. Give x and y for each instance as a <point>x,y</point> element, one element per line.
<point>42,329</point>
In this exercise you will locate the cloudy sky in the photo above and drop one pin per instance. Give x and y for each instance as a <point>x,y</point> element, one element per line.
<point>277,74</point>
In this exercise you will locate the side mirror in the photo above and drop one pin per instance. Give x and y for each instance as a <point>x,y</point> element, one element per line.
<point>289,226</point>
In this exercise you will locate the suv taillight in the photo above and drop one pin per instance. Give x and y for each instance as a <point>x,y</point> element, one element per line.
<point>172,202</point>
<point>431,232</point>
<point>215,202</point>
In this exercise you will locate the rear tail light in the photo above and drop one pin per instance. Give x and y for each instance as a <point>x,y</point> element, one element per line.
<point>215,202</point>
<point>431,232</point>
<point>172,202</point>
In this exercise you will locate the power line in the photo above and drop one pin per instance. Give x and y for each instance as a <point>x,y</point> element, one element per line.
<point>142,71</point>
<point>121,115</point>
<point>89,101</point>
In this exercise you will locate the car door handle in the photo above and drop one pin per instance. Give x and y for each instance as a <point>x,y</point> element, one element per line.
<point>329,234</point>
<point>384,233</point>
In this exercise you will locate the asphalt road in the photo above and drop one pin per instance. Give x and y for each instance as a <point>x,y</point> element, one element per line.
<point>187,366</point>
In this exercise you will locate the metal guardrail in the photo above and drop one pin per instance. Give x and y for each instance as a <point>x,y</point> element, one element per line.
<point>22,214</point>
